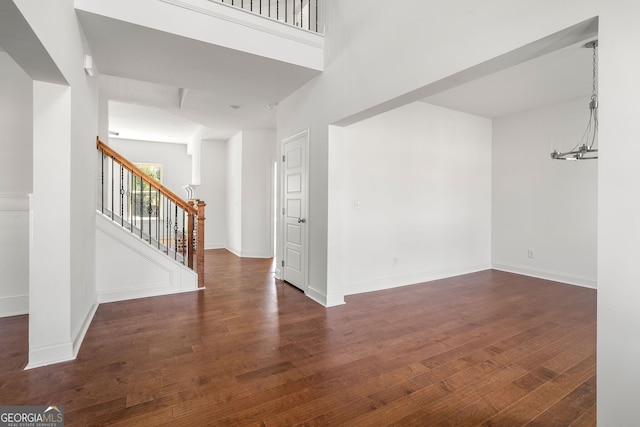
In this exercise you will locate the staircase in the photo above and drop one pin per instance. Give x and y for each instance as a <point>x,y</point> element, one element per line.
<point>132,204</point>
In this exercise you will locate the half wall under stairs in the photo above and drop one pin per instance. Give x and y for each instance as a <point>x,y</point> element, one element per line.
<point>128,267</point>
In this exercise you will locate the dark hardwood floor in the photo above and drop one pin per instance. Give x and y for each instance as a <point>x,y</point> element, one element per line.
<point>490,349</point>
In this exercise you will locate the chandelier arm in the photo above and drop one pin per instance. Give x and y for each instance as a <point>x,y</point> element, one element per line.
<point>583,150</point>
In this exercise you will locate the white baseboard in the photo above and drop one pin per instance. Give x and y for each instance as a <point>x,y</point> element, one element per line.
<point>146,292</point>
<point>245,254</point>
<point>162,276</point>
<point>14,306</point>
<point>78,336</point>
<point>214,245</point>
<point>324,300</point>
<point>49,355</point>
<point>570,279</point>
<point>354,288</point>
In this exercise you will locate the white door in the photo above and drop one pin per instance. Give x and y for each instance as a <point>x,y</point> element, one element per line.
<point>294,152</point>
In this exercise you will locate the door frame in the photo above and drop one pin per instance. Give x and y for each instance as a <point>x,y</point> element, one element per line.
<point>305,231</point>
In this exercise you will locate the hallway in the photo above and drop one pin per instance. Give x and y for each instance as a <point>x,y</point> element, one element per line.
<point>489,348</point>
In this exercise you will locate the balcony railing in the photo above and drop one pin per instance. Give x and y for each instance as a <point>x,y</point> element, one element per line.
<point>304,14</point>
<point>152,212</point>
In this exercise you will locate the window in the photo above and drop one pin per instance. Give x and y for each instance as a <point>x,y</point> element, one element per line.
<point>145,198</point>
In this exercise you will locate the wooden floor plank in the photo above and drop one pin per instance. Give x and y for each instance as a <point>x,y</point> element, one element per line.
<point>488,348</point>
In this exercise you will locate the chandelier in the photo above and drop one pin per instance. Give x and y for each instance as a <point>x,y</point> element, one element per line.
<point>585,148</point>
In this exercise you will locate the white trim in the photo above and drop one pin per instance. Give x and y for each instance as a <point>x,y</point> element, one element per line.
<point>14,305</point>
<point>79,334</point>
<point>264,27</point>
<point>180,278</point>
<point>50,355</point>
<point>241,254</point>
<point>569,279</point>
<point>359,287</point>
<point>215,245</point>
<point>324,300</point>
<point>124,236</point>
<point>146,292</point>
<point>14,202</point>
<point>234,251</point>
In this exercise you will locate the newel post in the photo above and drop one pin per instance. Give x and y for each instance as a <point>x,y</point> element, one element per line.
<point>200,243</point>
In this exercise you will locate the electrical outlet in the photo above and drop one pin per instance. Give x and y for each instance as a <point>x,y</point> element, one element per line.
<point>394,261</point>
<point>531,253</point>
<point>355,205</point>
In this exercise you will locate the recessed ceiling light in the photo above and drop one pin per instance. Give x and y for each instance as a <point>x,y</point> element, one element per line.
<point>234,107</point>
<point>114,133</point>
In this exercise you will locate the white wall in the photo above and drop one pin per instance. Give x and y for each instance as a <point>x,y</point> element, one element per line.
<point>416,197</point>
<point>213,190</point>
<point>14,255</point>
<point>62,241</point>
<point>176,164</point>
<point>16,182</point>
<point>143,271</point>
<point>234,194</point>
<point>544,205</point>
<point>16,129</point>
<point>372,69</point>
<point>618,214</point>
<point>250,162</point>
<point>369,71</point>
<point>258,157</point>
<point>177,172</point>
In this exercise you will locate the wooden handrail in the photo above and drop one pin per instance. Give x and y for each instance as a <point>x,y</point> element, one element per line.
<point>153,183</point>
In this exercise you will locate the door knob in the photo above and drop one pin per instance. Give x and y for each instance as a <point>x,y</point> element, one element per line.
<point>301,220</point>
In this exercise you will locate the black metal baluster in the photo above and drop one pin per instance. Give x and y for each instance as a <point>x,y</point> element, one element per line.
<point>102,181</point>
<point>301,17</point>
<point>121,196</point>
<point>135,201</point>
<point>185,241</point>
<point>112,190</point>
<point>129,200</point>
<point>269,6</point>
<point>141,205</point>
<point>316,16</point>
<point>286,3</point>
<point>175,235</point>
<point>150,211</point>
<point>278,9</point>
<point>158,218</point>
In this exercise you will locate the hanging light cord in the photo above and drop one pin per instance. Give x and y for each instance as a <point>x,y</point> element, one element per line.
<point>584,150</point>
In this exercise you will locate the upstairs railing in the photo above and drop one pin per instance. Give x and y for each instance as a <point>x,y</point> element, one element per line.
<point>300,13</point>
<point>149,210</point>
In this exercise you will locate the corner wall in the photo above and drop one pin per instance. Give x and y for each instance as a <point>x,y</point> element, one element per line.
<point>62,241</point>
<point>16,182</point>
<point>251,155</point>
<point>213,190</point>
<point>369,71</point>
<point>544,205</point>
<point>416,197</point>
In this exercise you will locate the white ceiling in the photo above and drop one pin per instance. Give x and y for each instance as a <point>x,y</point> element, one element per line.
<point>560,76</point>
<point>147,68</point>
<point>143,70</point>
